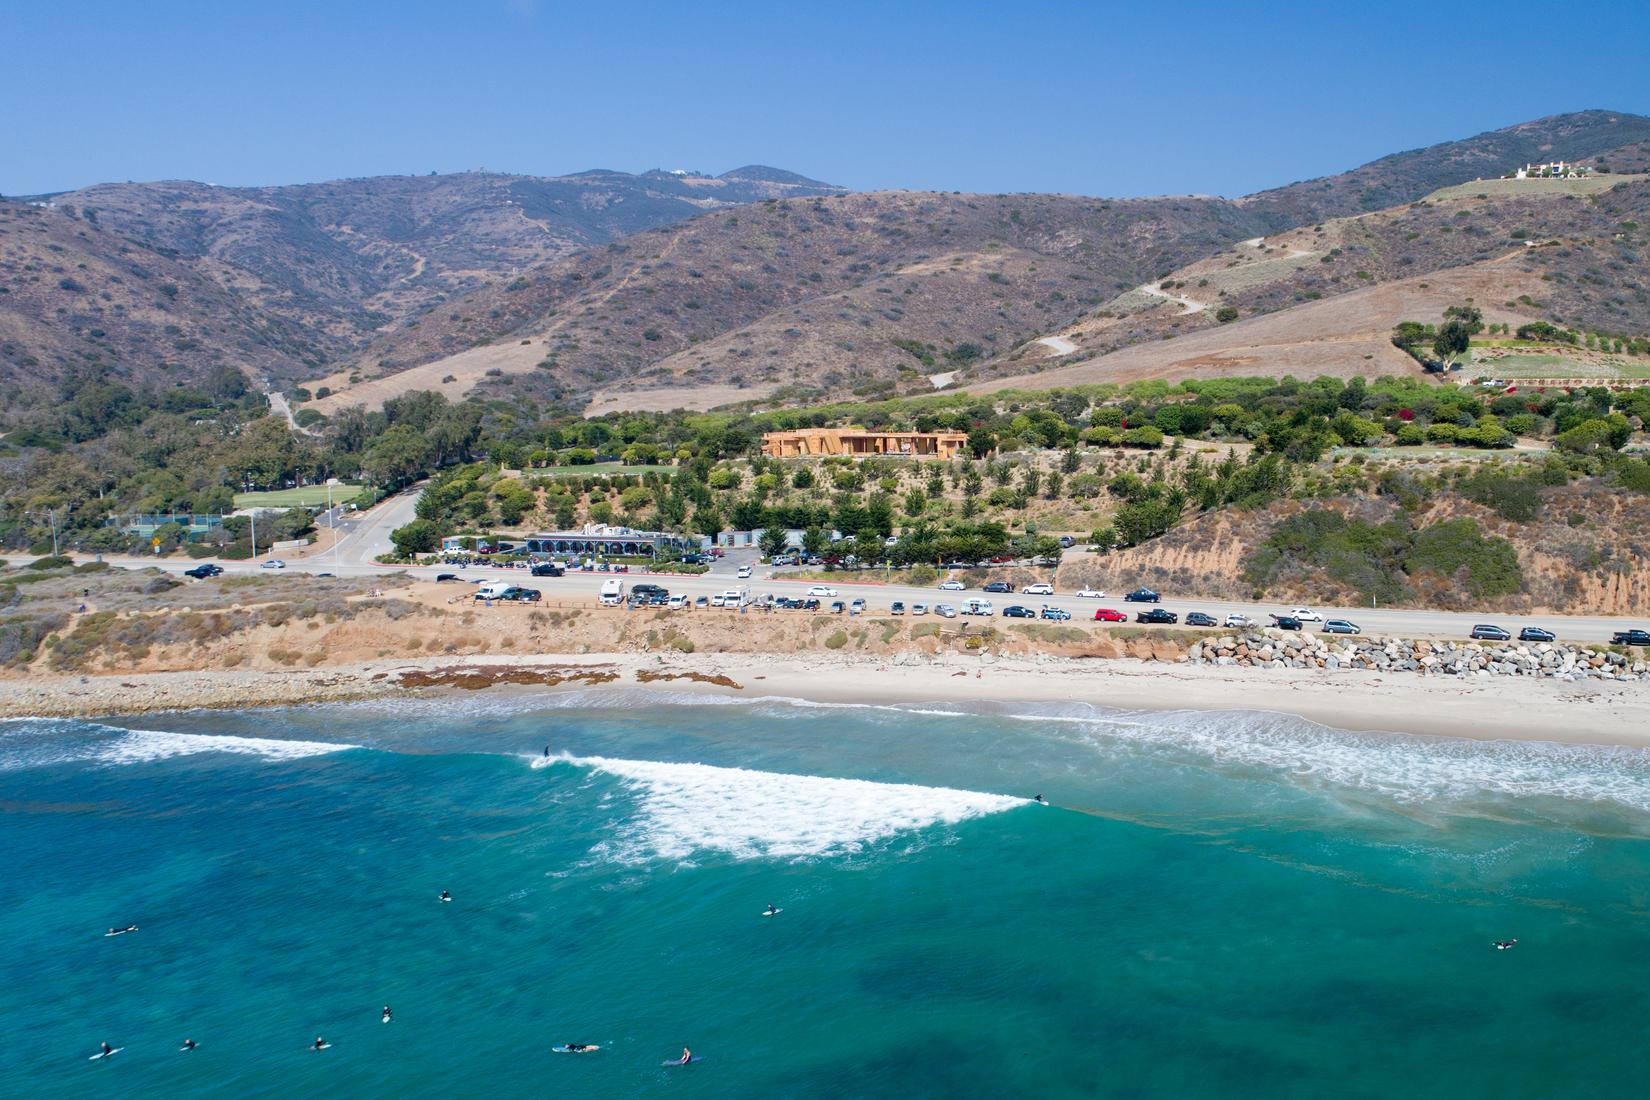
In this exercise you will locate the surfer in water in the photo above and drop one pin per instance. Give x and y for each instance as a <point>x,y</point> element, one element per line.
<point>772,909</point>
<point>386,1014</point>
<point>1040,800</point>
<point>122,931</point>
<point>687,1055</point>
<point>1503,945</point>
<point>547,752</point>
<point>319,1044</point>
<point>445,896</point>
<point>189,1044</point>
<point>107,1049</point>
<point>576,1048</point>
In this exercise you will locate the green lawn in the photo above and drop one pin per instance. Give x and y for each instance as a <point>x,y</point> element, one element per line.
<point>310,496</point>
<point>1549,365</point>
<point>1590,185</point>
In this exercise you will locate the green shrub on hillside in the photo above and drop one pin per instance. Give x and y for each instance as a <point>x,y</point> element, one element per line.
<point>1458,550</point>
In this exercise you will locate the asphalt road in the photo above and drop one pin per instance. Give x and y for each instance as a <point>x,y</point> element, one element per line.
<point>368,536</point>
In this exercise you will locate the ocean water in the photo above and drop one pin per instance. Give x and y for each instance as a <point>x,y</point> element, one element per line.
<point>1213,905</point>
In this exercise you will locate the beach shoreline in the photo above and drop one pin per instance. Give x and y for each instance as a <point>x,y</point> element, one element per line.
<point>1493,708</point>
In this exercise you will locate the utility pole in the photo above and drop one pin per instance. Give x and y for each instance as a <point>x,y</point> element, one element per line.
<point>252,516</point>
<point>51,516</point>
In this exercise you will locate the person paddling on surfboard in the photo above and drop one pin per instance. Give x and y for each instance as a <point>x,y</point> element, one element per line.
<point>1503,945</point>
<point>687,1055</point>
<point>320,1044</point>
<point>577,1048</point>
<point>445,896</point>
<point>189,1044</point>
<point>386,1014</point>
<point>107,1049</point>
<point>772,909</point>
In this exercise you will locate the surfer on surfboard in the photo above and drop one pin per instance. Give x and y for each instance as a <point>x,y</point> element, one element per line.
<point>577,1048</point>
<point>189,1044</point>
<point>1503,945</point>
<point>386,1014</point>
<point>445,896</point>
<point>105,1052</point>
<point>771,910</point>
<point>319,1044</point>
<point>121,931</point>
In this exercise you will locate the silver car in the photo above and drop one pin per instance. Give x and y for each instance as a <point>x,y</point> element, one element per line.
<point>945,611</point>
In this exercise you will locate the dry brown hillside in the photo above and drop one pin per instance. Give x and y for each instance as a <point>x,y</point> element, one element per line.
<point>823,295</point>
<point>73,293</point>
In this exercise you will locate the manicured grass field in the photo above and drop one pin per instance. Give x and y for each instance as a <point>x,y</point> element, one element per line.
<point>310,496</point>
<point>601,468</point>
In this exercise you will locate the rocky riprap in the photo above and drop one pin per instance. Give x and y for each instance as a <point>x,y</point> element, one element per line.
<point>1286,649</point>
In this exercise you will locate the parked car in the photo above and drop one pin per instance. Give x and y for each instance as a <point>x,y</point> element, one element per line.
<point>823,591</point>
<point>977,607</point>
<point>1089,594</point>
<point>837,607</point>
<point>998,586</point>
<point>1305,615</point>
<point>1037,590</point>
<point>1484,632</point>
<point>1156,615</point>
<point>857,607</point>
<point>1286,622</point>
<point>1143,595</point>
<point>810,605</point>
<point>680,603</point>
<point>520,595</point>
<point>1236,621</point>
<point>1109,615</point>
<point>952,586</point>
<point>1341,626</point>
<point>1067,542</point>
<point>273,563</point>
<point>896,608</point>
<point>701,601</point>
<point>1198,618</point>
<point>1536,634</point>
<point>945,611</point>
<point>919,609</point>
<point>1015,611</point>
<point>207,569</point>
<point>546,569</point>
<point>1058,614</point>
<point>1631,637</point>
<point>439,577</point>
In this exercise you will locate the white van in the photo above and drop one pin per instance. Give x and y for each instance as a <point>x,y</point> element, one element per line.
<point>492,590</point>
<point>733,597</point>
<point>612,593</point>
<point>977,607</point>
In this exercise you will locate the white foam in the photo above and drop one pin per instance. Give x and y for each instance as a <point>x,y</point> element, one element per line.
<point>1405,768</point>
<point>147,746</point>
<point>39,743</point>
<point>684,809</point>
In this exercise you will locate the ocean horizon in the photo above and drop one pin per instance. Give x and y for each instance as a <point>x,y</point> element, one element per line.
<point>1211,904</point>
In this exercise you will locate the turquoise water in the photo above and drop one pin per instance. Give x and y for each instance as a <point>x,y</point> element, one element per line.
<point>1214,905</point>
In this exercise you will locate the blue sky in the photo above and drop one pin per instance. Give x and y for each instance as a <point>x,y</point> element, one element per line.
<point>1098,98</point>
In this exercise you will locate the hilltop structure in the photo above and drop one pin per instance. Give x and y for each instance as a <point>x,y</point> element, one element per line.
<point>1557,170</point>
<point>860,443</point>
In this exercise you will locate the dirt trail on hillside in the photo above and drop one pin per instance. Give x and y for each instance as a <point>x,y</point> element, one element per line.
<point>1349,334</point>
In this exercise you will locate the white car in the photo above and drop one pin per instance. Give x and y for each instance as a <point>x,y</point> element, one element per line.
<point>273,563</point>
<point>680,603</point>
<point>919,609</point>
<point>1037,590</point>
<point>952,586</point>
<point>822,591</point>
<point>945,611</point>
<point>744,571</point>
<point>1238,622</point>
<point>1306,615</point>
<point>1089,594</point>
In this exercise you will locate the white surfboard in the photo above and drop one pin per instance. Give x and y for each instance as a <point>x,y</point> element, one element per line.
<point>323,1046</point>
<point>119,931</point>
<point>773,913</point>
<point>102,1054</point>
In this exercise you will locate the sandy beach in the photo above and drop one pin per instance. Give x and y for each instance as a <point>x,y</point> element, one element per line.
<point>1488,709</point>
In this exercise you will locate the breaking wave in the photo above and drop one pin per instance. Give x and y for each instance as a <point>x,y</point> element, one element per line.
<point>33,743</point>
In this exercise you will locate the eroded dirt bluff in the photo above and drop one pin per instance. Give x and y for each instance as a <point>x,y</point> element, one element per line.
<point>1587,553</point>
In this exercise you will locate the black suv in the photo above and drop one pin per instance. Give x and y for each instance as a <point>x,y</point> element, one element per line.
<point>1286,622</point>
<point>203,570</point>
<point>1483,632</point>
<point>647,592</point>
<point>1536,634</point>
<point>998,586</point>
<point>1198,618</point>
<point>1143,595</point>
<point>1630,637</point>
<point>1015,611</point>
<point>1156,615</point>
<point>548,569</point>
<point>521,595</point>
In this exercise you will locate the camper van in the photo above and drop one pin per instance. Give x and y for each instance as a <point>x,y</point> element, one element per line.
<point>733,597</point>
<point>976,607</point>
<point>493,590</point>
<point>612,593</point>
